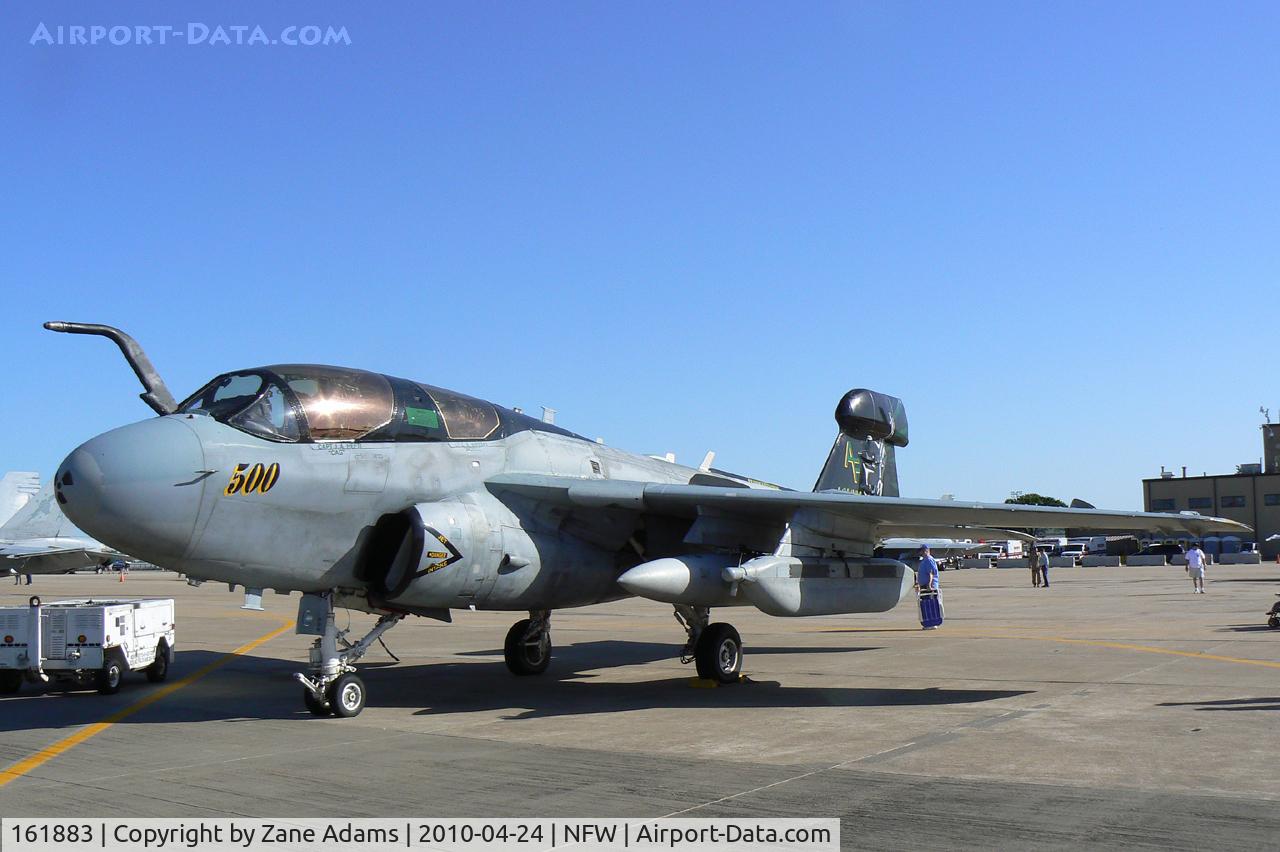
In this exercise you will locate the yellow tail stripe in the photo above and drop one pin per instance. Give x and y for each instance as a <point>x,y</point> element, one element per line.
<point>22,767</point>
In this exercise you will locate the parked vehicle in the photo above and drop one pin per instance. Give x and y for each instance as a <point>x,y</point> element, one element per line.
<point>1050,544</point>
<point>1074,551</point>
<point>1000,549</point>
<point>86,642</point>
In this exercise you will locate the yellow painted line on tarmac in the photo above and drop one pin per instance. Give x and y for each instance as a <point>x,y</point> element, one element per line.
<point>22,767</point>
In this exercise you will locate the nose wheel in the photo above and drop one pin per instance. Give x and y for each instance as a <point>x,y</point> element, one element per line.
<point>330,686</point>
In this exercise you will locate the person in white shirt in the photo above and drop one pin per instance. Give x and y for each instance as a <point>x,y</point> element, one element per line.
<point>1195,569</point>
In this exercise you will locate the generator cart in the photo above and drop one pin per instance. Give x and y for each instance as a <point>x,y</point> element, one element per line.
<point>87,642</point>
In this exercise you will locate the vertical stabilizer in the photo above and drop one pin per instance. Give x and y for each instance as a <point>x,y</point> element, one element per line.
<point>17,487</point>
<point>862,459</point>
<point>39,518</point>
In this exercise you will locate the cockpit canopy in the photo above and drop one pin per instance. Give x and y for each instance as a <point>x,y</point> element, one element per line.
<point>310,402</point>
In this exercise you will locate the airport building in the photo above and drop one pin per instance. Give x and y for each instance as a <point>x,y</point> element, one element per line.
<point>1251,495</point>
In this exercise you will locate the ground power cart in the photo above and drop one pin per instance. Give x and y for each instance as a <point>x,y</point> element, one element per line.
<point>85,642</point>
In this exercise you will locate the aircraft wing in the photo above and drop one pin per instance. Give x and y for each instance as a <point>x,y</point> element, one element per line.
<point>842,514</point>
<point>44,559</point>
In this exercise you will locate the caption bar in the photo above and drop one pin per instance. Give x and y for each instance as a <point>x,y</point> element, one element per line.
<point>451,835</point>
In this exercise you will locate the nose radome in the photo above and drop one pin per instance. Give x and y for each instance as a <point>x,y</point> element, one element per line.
<point>136,488</point>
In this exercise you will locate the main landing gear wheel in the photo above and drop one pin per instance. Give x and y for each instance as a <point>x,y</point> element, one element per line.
<point>527,648</point>
<point>346,695</point>
<point>718,654</point>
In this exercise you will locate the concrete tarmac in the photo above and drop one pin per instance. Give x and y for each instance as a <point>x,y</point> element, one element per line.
<point>1113,709</point>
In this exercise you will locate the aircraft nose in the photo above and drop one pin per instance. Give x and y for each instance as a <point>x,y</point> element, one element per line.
<point>136,488</point>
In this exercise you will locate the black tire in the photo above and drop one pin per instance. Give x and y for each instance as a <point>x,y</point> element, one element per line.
<point>1274,622</point>
<point>346,696</point>
<point>10,681</point>
<point>317,706</point>
<point>109,676</point>
<point>526,658</point>
<point>718,654</point>
<point>159,668</point>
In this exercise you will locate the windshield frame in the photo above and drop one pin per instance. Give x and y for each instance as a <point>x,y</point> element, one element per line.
<point>298,415</point>
<point>268,380</point>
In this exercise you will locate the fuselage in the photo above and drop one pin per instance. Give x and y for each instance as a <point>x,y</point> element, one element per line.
<point>197,493</point>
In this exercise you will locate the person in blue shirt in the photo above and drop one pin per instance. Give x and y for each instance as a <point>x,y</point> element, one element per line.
<point>927,572</point>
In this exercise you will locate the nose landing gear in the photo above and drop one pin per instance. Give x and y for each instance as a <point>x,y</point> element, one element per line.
<point>331,685</point>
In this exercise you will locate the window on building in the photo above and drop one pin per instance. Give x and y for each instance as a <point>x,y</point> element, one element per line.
<point>1232,501</point>
<point>1200,503</point>
<point>1164,504</point>
<point>1271,499</point>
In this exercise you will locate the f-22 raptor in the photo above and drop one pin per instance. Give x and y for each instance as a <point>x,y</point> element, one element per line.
<point>401,498</point>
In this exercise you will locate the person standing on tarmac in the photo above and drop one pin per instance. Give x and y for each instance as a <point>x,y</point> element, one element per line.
<point>927,572</point>
<point>1195,569</point>
<point>1042,566</point>
<point>1034,562</point>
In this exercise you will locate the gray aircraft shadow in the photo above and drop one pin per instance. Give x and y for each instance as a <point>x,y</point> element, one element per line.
<point>248,688</point>
<point>1228,704</point>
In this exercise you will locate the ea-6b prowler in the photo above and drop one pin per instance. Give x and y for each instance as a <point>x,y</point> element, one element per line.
<point>399,498</point>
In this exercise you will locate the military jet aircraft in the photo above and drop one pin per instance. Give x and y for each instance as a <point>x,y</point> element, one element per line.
<point>39,539</point>
<point>400,498</point>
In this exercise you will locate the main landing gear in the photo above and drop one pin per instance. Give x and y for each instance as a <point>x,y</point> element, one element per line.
<point>527,648</point>
<point>331,686</point>
<point>715,649</point>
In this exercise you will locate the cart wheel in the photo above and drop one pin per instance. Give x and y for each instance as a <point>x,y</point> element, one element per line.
<point>109,677</point>
<point>317,706</point>
<point>10,681</point>
<point>346,695</point>
<point>159,668</point>
<point>1274,622</point>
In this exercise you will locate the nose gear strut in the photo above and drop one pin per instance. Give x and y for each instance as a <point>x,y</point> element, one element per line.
<point>331,685</point>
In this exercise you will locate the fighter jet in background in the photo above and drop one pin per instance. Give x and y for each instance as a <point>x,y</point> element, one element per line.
<point>400,498</point>
<point>39,539</point>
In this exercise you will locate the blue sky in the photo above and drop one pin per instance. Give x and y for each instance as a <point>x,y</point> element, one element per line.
<point>1052,230</point>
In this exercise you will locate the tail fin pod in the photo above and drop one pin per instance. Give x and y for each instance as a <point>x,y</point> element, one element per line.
<point>862,458</point>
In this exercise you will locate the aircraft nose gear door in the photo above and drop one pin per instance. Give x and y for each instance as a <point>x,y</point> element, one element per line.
<point>331,685</point>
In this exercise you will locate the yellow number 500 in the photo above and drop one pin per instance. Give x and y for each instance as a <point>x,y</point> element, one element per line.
<point>248,480</point>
